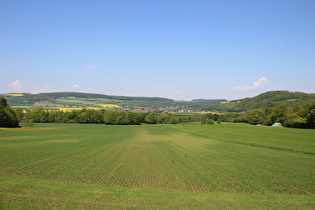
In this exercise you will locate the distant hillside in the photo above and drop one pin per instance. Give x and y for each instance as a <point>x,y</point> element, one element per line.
<point>91,98</point>
<point>268,99</point>
<point>79,100</point>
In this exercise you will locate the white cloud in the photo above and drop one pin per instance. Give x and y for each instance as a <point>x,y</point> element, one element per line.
<point>15,85</point>
<point>75,86</point>
<point>43,89</point>
<point>261,83</point>
<point>177,92</point>
<point>91,67</point>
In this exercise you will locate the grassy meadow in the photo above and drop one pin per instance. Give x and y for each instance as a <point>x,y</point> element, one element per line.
<point>157,166</point>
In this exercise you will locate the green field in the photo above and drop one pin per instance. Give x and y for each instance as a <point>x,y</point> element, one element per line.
<point>160,166</point>
<point>298,140</point>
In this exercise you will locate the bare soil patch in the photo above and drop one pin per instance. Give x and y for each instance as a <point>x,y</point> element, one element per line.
<point>44,159</point>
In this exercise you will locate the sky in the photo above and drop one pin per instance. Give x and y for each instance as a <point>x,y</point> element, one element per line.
<point>177,49</point>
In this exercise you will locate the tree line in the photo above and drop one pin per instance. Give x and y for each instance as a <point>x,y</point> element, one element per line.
<point>41,115</point>
<point>295,115</point>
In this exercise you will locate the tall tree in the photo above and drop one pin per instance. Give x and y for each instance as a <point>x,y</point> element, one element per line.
<point>7,115</point>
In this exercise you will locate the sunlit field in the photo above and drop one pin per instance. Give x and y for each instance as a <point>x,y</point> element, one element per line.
<point>160,166</point>
<point>110,106</point>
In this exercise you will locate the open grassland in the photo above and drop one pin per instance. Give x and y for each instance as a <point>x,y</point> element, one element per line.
<point>98,166</point>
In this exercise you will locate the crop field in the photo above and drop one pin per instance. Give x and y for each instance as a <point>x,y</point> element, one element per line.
<point>110,106</point>
<point>14,94</point>
<point>21,107</point>
<point>160,166</point>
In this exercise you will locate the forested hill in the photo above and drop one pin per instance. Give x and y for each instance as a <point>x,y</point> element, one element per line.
<point>128,101</point>
<point>268,99</point>
<point>76,99</point>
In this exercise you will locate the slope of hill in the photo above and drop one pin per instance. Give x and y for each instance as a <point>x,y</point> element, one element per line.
<point>79,100</point>
<point>268,99</point>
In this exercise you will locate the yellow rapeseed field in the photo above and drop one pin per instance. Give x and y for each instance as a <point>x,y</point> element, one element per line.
<point>14,94</point>
<point>109,105</point>
<point>69,109</point>
<point>21,107</point>
<point>77,109</point>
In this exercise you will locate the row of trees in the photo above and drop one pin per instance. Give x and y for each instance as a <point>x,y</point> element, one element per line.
<point>41,115</point>
<point>296,115</point>
<point>227,117</point>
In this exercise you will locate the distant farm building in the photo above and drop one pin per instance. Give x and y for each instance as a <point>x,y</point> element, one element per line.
<point>277,125</point>
<point>137,110</point>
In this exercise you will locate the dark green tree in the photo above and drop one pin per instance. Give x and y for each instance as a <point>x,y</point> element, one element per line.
<point>136,118</point>
<point>8,116</point>
<point>255,117</point>
<point>151,119</point>
<point>173,120</point>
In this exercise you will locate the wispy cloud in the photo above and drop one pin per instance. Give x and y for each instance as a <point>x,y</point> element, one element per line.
<point>261,83</point>
<point>91,67</point>
<point>15,85</point>
<point>43,89</point>
<point>76,86</point>
<point>46,88</point>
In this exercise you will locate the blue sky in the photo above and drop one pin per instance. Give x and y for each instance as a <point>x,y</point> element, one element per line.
<point>175,49</point>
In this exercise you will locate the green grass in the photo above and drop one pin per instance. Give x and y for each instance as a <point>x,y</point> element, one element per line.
<point>98,166</point>
<point>299,140</point>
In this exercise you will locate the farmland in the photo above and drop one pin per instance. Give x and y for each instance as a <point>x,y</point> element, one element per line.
<point>156,166</point>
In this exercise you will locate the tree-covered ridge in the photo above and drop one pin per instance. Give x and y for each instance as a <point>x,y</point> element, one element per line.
<point>207,101</point>
<point>268,99</point>
<point>95,95</point>
<point>124,101</point>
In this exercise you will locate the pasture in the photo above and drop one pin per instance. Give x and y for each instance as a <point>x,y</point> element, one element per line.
<point>160,166</point>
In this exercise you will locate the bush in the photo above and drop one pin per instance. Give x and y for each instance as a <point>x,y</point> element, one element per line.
<point>210,121</point>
